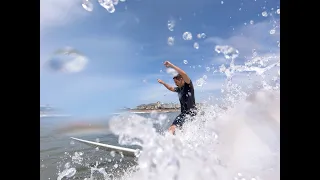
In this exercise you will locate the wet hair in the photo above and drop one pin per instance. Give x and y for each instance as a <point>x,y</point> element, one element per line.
<point>178,76</point>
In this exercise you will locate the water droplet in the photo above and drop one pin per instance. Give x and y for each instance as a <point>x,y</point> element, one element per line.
<point>208,69</point>
<point>222,2</point>
<point>202,35</point>
<point>222,68</point>
<point>228,51</point>
<point>254,53</point>
<point>161,71</point>
<point>185,62</point>
<point>171,24</point>
<point>115,166</point>
<point>87,5</point>
<point>144,81</point>
<point>112,153</point>
<point>200,82</point>
<point>71,142</point>
<point>66,60</point>
<point>67,173</point>
<point>204,77</point>
<point>196,45</point>
<point>278,11</point>
<point>264,14</point>
<point>272,31</point>
<point>121,154</point>
<point>97,148</point>
<point>170,41</point>
<point>187,36</point>
<point>251,21</point>
<point>115,2</point>
<point>137,152</point>
<point>67,165</point>
<point>108,5</point>
<point>97,140</point>
<point>239,9</point>
<point>278,44</point>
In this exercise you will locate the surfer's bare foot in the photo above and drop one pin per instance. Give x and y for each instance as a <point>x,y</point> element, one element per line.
<point>172,129</point>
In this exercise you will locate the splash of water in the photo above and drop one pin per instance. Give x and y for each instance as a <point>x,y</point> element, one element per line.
<point>66,60</point>
<point>187,36</point>
<point>171,24</point>
<point>172,72</point>
<point>170,41</point>
<point>237,139</point>
<point>87,5</point>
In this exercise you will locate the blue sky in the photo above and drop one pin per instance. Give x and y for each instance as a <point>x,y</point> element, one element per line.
<point>126,49</point>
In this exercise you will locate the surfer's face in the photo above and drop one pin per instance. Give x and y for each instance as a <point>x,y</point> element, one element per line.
<point>178,81</point>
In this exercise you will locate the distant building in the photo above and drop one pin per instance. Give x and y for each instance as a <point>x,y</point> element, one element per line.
<point>169,106</point>
<point>158,105</point>
<point>142,106</point>
<point>153,105</point>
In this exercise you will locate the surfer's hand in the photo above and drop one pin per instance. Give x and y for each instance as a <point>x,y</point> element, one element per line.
<point>160,81</point>
<point>167,64</point>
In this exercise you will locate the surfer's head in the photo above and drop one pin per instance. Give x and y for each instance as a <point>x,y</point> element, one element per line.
<point>178,80</point>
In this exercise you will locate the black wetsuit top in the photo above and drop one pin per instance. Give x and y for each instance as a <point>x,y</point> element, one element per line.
<point>187,102</point>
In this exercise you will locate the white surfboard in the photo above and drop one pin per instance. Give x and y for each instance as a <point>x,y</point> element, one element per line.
<point>123,150</point>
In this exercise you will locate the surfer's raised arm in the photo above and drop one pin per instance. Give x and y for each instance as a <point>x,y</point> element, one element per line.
<point>170,88</point>
<point>183,74</point>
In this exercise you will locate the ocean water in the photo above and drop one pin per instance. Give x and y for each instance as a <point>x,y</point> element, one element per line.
<point>58,151</point>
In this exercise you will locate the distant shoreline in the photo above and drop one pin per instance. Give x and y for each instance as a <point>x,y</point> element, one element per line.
<point>152,110</point>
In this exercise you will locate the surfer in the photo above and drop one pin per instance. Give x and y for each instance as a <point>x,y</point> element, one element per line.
<point>185,92</point>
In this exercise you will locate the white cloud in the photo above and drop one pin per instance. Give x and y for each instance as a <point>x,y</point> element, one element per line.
<point>55,13</point>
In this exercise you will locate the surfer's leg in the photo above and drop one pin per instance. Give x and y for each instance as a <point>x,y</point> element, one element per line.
<point>177,123</point>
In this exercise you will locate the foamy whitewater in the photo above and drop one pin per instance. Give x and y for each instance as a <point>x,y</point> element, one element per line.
<point>242,142</point>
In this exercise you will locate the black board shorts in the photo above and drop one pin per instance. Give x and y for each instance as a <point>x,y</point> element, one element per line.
<point>181,118</point>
